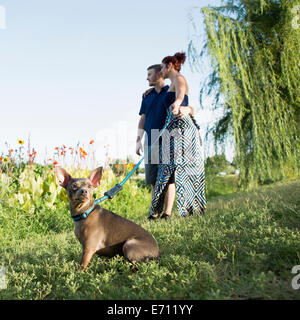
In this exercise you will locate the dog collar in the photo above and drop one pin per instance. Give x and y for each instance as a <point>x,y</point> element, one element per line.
<point>83,215</point>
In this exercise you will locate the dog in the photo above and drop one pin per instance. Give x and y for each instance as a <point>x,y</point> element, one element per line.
<point>102,231</point>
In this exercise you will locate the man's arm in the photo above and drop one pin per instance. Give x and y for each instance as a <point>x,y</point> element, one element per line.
<point>140,134</point>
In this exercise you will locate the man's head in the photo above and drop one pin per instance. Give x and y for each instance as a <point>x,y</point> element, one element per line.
<point>154,74</point>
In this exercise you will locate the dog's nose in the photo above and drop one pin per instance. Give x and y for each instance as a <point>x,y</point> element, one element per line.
<point>84,191</point>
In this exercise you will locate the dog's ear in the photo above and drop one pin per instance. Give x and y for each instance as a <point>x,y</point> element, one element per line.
<point>95,176</point>
<point>63,176</point>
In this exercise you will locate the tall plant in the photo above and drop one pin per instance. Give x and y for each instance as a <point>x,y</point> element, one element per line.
<point>254,49</point>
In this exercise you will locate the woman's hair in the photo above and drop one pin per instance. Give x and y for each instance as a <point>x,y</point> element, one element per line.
<point>177,60</point>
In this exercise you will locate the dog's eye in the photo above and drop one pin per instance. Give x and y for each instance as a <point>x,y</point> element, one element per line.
<point>74,187</point>
<point>90,186</point>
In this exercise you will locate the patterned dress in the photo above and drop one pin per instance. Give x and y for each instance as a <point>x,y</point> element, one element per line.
<point>181,154</point>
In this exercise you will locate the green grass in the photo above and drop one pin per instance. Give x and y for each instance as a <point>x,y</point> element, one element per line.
<point>243,248</point>
<point>220,185</point>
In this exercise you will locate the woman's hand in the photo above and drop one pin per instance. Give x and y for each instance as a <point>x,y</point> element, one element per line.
<point>183,112</point>
<point>147,92</point>
<point>174,108</point>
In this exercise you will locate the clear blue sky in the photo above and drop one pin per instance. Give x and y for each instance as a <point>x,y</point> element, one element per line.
<point>75,70</point>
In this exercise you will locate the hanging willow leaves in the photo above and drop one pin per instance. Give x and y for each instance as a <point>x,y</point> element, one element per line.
<point>255,56</point>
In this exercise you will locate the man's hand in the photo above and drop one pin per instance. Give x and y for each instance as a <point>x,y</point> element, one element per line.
<point>140,134</point>
<point>139,148</point>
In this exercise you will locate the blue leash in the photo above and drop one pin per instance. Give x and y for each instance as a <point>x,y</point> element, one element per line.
<point>112,192</point>
<point>118,187</point>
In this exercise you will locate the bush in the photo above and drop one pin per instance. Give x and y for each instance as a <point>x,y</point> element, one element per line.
<point>218,163</point>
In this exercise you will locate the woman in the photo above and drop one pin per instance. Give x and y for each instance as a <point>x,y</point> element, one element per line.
<point>181,147</point>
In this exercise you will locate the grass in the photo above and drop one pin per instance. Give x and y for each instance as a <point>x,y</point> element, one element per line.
<point>243,248</point>
<point>220,185</point>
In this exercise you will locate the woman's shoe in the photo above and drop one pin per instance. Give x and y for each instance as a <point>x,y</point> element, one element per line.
<point>152,217</point>
<point>165,216</point>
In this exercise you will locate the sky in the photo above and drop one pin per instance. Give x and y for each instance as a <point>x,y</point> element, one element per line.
<point>72,71</point>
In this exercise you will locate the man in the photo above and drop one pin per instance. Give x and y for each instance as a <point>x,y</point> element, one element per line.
<point>153,116</point>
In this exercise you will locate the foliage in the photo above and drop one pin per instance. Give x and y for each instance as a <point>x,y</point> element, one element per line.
<point>255,56</point>
<point>243,248</point>
<point>123,167</point>
<point>35,193</point>
<point>216,185</point>
<point>216,164</point>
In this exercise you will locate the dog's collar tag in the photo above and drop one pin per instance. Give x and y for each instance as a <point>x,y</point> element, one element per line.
<point>83,215</point>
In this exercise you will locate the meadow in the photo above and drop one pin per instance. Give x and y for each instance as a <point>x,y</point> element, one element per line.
<point>244,247</point>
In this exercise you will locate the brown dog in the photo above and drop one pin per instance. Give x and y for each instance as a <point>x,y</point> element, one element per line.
<point>102,231</point>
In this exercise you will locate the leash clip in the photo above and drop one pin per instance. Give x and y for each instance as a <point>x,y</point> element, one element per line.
<point>113,191</point>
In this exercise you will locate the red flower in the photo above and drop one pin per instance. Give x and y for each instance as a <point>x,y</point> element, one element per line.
<point>82,151</point>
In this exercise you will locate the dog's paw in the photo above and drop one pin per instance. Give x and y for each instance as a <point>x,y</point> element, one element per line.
<point>80,268</point>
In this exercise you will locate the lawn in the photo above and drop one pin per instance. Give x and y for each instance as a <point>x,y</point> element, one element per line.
<point>244,247</point>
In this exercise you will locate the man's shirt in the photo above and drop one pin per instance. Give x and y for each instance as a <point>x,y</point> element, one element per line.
<point>155,110</point>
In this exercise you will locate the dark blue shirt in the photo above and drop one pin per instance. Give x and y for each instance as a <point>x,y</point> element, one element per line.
<point>154,108</point>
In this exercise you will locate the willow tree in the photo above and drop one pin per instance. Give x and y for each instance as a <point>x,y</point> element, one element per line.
<point>254,49</point>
